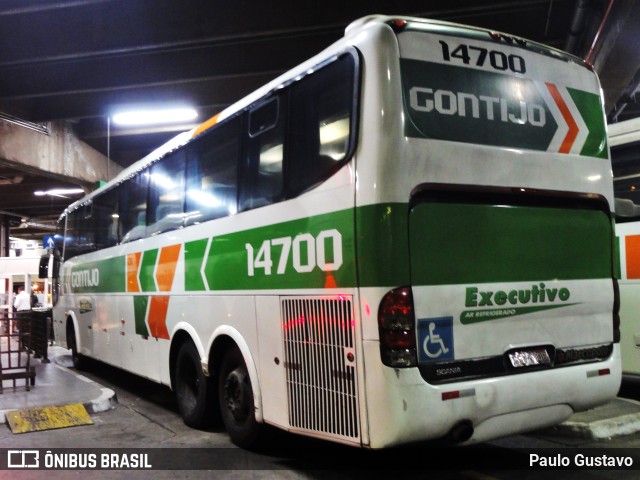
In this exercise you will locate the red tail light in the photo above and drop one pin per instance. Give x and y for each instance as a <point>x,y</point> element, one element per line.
<point>397,328</point>
<point>397,24</point>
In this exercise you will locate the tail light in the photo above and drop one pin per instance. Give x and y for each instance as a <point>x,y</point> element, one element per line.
<point>397,328</point>
<point>397,24</point>
<point>616,311</point>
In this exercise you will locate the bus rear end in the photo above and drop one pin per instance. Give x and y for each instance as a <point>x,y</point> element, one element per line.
<point>485,237</point>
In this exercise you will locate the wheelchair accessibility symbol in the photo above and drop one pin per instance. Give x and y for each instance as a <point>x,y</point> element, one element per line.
<point>436,339</point>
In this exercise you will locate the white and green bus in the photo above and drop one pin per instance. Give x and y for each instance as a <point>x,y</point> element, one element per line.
<point>407,237</point>
<point>624,141</point>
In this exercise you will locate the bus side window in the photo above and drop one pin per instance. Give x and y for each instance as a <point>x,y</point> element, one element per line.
<point>80,232</point>
<point>263,174</point>
<point>321,109</point>
<point>133,207</point>
<point>105,208</point>
<point>212,174</point>
<point>166,194</point>
<point>626,181</point>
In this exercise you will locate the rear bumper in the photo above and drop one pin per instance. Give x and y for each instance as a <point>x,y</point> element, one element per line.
<point>402,407</point>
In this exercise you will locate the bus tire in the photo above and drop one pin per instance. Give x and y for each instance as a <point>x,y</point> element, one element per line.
<point>193,388</point>
<point>79,361</point>
<point>237,407</point>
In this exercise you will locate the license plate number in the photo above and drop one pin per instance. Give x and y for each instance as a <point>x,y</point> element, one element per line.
<point>529,358</point>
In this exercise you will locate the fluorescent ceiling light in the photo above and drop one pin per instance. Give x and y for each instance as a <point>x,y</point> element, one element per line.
<point>58,192</point>
<point>154,116</point>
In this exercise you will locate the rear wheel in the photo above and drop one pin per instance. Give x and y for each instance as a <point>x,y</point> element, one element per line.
<point>236,401</point>
<point>193,388</point>
<point>79,361</point>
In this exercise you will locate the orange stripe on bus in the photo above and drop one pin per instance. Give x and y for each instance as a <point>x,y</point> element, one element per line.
<point>572,134</point>
<point>632,253</point>
<point>157,319</point>
<point>206,125</point>
<point>133,264</point>
<point>166,268</point>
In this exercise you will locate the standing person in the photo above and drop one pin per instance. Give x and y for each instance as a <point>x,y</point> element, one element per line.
<point>22,301</point>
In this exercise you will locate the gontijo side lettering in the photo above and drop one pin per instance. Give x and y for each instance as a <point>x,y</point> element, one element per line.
<point>85,278</point>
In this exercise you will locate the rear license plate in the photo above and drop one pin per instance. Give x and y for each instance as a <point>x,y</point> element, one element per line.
<point>529,358</point>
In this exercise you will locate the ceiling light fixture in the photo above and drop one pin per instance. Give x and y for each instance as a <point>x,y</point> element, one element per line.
<point>154,116</point>
<point>58,192</point>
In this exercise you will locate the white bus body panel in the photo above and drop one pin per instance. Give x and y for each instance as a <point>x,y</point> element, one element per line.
<point>406,407</point>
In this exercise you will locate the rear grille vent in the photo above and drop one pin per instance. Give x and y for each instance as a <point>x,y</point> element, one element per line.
<point>320,362</point>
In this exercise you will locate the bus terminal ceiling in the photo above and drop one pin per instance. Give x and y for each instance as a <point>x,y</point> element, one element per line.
<point>71,63</point>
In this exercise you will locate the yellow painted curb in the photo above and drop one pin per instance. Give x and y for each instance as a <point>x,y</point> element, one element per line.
<point>47,418</point>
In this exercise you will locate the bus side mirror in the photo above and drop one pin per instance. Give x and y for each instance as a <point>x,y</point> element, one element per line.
<point>55,270</point>
<point>44,266</point>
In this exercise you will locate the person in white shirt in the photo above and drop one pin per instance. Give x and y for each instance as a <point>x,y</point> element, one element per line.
<point>22,301</point>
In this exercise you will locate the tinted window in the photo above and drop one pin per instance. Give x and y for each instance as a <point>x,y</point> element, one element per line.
<point>263,117</point>
<point>166,194</point>
<point>106,211</point>
<point>625,160</point>
<point>133,207</point>
<point>212,176</point>
<point>263,174</point>
<point>321,117</point>
<point>80,232</point>
<point>274,150</point>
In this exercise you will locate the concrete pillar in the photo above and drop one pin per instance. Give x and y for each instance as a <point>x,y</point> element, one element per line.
<point>58,154</point>
<point>4,236</point>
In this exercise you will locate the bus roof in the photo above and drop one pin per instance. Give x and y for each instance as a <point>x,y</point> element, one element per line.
<point>351,38</point>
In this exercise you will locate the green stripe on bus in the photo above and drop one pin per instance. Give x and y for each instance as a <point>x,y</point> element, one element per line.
<point>462,244</point>
<point>100,276</point>
<point>383,245</point>
<point>147,268</point>
<point>193,257</point>
<point>285,255</point>
<point>449,244</point>
<point>140,304</point>
<point>590,109</point>
<point>617,270</point>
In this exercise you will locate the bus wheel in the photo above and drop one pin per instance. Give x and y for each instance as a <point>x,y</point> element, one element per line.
<point>236,401</point>
<point>192,387</point>
<point>79,362</point>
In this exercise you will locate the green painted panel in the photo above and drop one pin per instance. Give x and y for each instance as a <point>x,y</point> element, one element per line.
<point>383,245</point>
<point>100,276</point>
<point>313,252</point>
<point>140,304</point>
<point>444,102</point>
<point>462,244</point>
<point>193,257</point>
<point>591,111</point>
<point>147,267</point>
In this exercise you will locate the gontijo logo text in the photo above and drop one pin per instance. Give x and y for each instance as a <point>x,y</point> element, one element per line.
<point>513,302</point>
<point>85,278</point>
<point>501,107</point>
<point>487,107</point>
